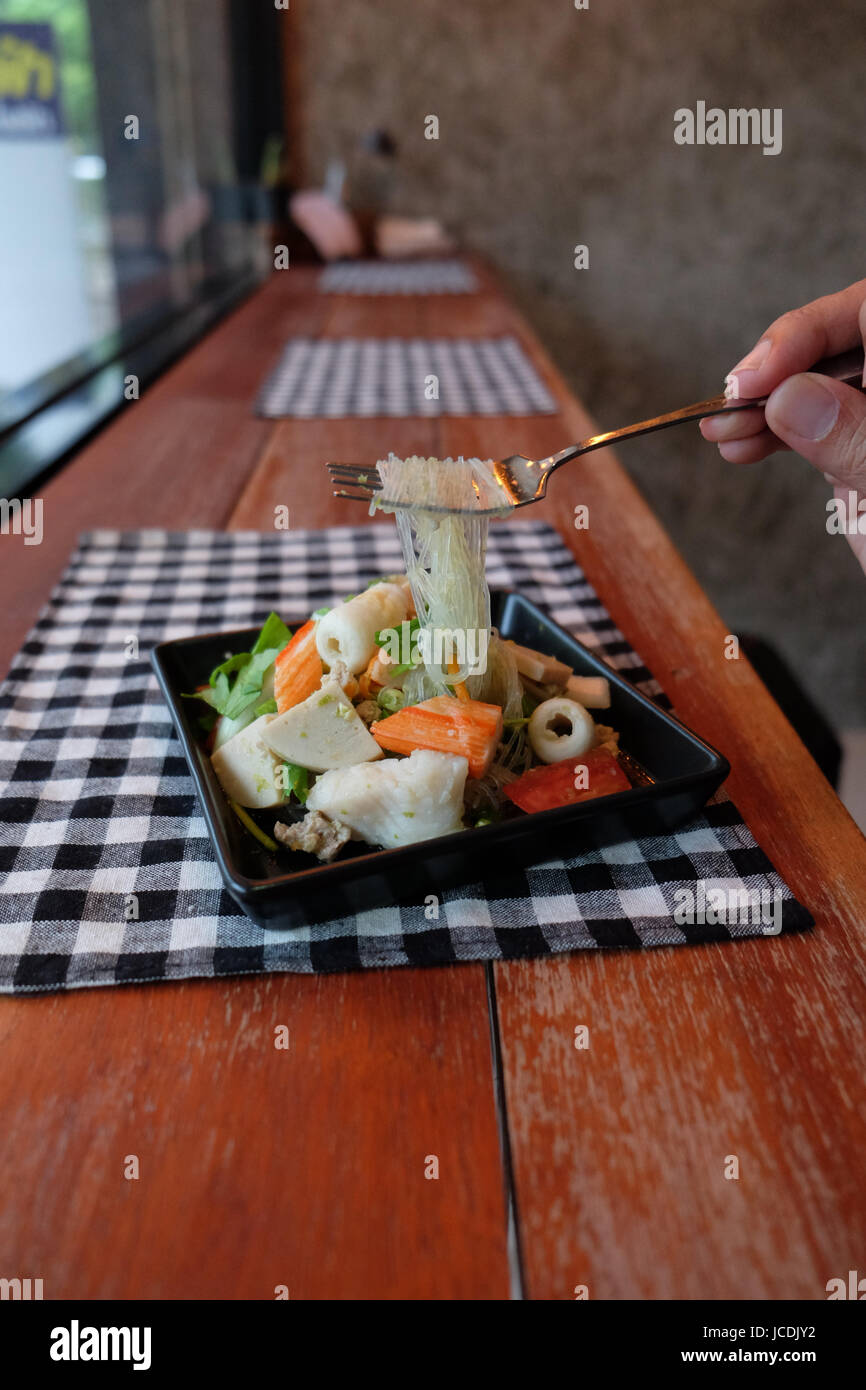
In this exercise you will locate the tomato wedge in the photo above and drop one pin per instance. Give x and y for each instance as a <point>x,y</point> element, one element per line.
<point>596,773</point>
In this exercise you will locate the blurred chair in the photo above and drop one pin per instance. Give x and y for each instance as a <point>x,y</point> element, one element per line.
<point>796,705</point>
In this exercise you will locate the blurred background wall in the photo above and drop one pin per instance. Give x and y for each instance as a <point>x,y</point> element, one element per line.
<point>556,129</point>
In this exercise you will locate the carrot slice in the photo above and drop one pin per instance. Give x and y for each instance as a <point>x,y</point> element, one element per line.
<point>459,687</point>
<point>447,725</point>
<point>298,669</point>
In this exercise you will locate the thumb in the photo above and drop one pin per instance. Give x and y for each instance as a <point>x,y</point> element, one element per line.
<point>824,421</point>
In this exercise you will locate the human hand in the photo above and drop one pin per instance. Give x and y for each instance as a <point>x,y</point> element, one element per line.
<point>821,419</point>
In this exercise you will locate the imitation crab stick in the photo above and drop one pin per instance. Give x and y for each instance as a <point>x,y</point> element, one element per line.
<point>298,668</point>
<point>446,725</point>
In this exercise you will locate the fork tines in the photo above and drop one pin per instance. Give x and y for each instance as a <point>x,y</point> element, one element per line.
<point>364,480</point>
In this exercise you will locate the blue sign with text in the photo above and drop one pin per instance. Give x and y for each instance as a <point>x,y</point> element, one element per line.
<point>29,82</point>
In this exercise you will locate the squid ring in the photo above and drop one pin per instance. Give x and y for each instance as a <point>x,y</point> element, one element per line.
<point>560,728</point>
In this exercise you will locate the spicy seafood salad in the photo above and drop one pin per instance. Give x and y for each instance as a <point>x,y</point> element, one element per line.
<point>399,714</point>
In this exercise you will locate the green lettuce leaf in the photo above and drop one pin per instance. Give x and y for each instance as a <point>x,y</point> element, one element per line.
<point>299,781</point>
<point>249,681</point>
<point>273,634</point>
<point>238,680</point>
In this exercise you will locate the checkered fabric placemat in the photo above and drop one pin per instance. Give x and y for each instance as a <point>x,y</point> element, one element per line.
<point>398,277</point>
<point>96,803</point>
<point>403,376</point>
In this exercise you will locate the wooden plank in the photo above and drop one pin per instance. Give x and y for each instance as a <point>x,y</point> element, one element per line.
<point>258,1167</point>
<point>175,465</point>
<point>177,457</point>
<point>291,472</point>
<point>752,1049</point>
<point>665,1109</point>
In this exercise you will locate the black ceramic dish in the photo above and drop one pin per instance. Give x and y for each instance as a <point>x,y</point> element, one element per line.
<point>291,889</point>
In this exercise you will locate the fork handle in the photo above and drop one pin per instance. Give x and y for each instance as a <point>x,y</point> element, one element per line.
<point>846,367</point>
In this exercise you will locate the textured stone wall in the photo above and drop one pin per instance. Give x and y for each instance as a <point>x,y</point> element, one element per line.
<point>556,128</point>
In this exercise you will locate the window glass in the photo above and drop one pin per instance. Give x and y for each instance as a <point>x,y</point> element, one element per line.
<point>120,197</point>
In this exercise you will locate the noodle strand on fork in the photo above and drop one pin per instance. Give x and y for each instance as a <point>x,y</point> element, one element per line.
<point>444,553</point>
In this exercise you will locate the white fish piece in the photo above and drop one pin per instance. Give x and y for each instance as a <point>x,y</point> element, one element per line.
<point>398,801</point>
<point>348,632</point>
<point>248,769</point>
<point>322,732</point>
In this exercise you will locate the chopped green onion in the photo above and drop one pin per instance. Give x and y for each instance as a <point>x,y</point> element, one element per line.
<point>380,638</point>
<point>251,826</point>
<point>383,638</point>
<point>390,699</point>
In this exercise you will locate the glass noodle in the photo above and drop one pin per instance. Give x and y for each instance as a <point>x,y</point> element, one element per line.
<point>444,556</point>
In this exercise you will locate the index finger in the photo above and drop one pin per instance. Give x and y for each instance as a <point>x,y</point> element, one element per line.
<point>797,340</point>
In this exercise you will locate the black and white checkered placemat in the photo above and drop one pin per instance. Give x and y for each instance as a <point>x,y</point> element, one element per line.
<point>333,377</point>
<point>398,277</point>
<point>96,803</point>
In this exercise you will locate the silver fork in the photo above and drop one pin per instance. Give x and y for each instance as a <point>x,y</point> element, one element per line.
<point>522,480</point>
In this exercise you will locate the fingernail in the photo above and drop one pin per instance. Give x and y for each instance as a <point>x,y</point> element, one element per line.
<point>802,406</point>
<point>755,359</point>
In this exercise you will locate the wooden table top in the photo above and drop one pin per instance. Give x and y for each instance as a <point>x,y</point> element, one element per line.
<point>306,1168</point>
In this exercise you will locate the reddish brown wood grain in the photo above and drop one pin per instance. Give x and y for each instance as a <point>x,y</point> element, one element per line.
<point>752,1049</point>
<point>177,457</point>
<point>291,470</point>
<point>258,1167</point>
<point>748,1049</point>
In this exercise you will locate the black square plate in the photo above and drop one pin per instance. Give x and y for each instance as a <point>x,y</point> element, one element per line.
<point>291,889</point>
